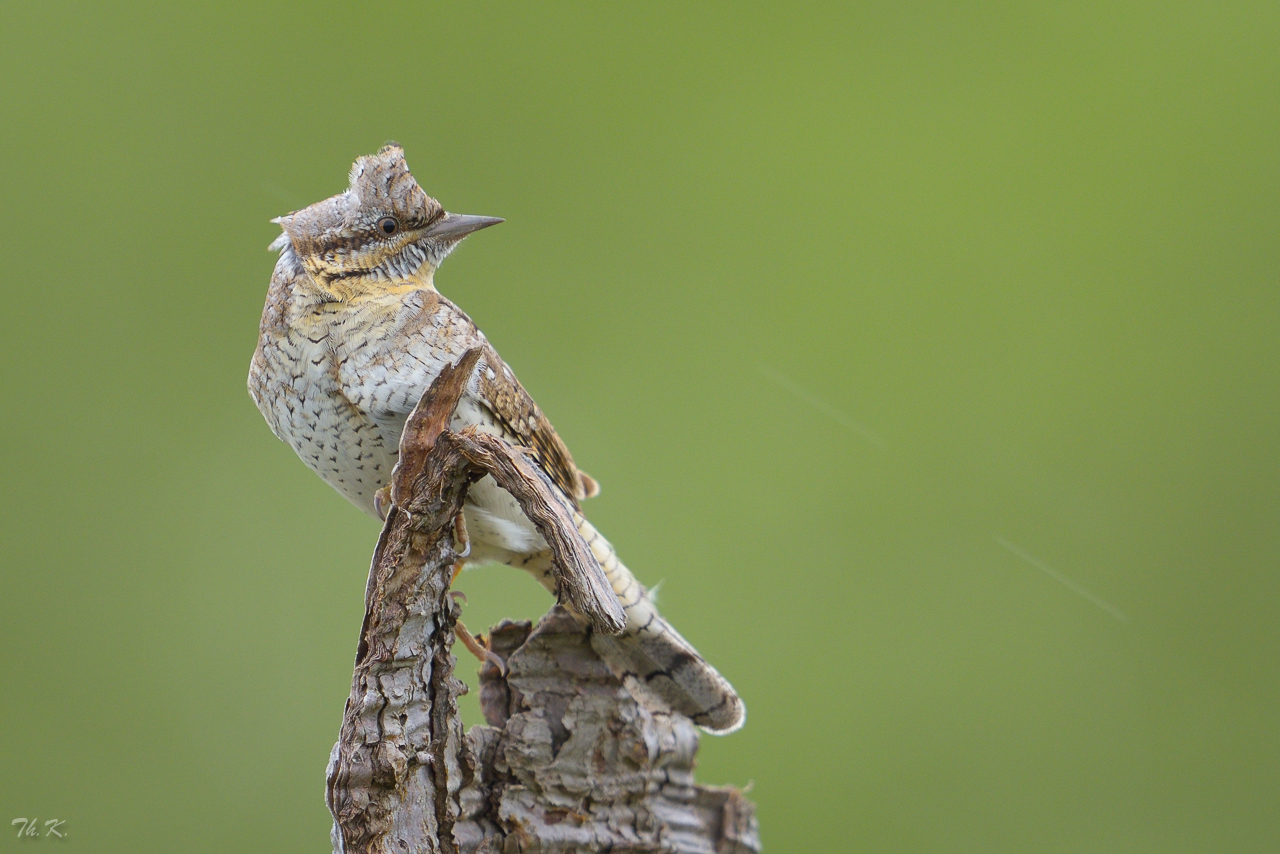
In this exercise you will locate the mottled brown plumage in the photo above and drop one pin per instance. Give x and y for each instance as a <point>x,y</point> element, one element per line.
<point>352,335</point>
<point>519,417</point>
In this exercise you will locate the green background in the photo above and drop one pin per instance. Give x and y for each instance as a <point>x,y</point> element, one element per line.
<point>870,318</point>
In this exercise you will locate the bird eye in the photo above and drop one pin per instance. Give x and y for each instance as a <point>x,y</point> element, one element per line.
<point>388,225</point>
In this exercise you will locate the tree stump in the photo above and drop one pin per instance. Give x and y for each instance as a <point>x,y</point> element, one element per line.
<point>569,761</point>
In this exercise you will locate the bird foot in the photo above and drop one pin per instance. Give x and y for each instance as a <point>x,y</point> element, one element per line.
<point>479,647</point>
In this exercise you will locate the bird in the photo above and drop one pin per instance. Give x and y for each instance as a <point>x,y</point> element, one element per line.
<point>353,333</point>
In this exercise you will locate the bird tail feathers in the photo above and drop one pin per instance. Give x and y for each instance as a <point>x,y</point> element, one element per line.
<point>660,668</point>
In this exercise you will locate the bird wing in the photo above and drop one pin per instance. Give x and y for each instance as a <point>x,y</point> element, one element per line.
<point>516,413</point>
<point>450,332</point>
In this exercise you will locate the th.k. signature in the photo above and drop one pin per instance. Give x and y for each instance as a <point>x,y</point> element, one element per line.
<point>31,827</point>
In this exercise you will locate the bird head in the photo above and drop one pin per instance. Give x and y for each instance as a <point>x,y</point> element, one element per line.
<point>383,232</point>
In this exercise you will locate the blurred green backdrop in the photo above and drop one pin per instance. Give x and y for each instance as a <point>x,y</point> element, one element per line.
<point>871,318</point>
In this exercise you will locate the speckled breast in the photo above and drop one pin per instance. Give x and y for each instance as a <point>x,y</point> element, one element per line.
<point>303,398</point>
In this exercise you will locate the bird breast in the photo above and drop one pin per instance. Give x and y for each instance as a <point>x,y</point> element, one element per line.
<point>340,397</point>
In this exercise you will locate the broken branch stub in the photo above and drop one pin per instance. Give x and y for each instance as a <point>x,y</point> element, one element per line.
<point>580,582</point>
<point>389,776</point>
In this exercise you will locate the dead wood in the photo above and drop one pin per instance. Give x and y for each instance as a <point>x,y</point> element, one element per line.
<point>570,762</point>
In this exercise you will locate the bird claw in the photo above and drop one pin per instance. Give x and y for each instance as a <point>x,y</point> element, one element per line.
<point>382,502</point>
<point>461,539</point>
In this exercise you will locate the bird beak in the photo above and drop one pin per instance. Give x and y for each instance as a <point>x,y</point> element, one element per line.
<point>453,227</point>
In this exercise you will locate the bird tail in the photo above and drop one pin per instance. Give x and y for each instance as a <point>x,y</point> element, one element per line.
<point>660,668</point>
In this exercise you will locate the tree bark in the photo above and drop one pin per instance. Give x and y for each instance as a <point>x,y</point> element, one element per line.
<point>569,762</point>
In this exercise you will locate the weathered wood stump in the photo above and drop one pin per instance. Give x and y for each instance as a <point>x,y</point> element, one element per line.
<point>569,763</point>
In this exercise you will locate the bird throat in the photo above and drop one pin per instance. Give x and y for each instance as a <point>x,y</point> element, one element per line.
<point>370,288</point>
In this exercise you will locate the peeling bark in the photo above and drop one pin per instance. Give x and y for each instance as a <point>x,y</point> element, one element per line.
<point>569,762</point>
